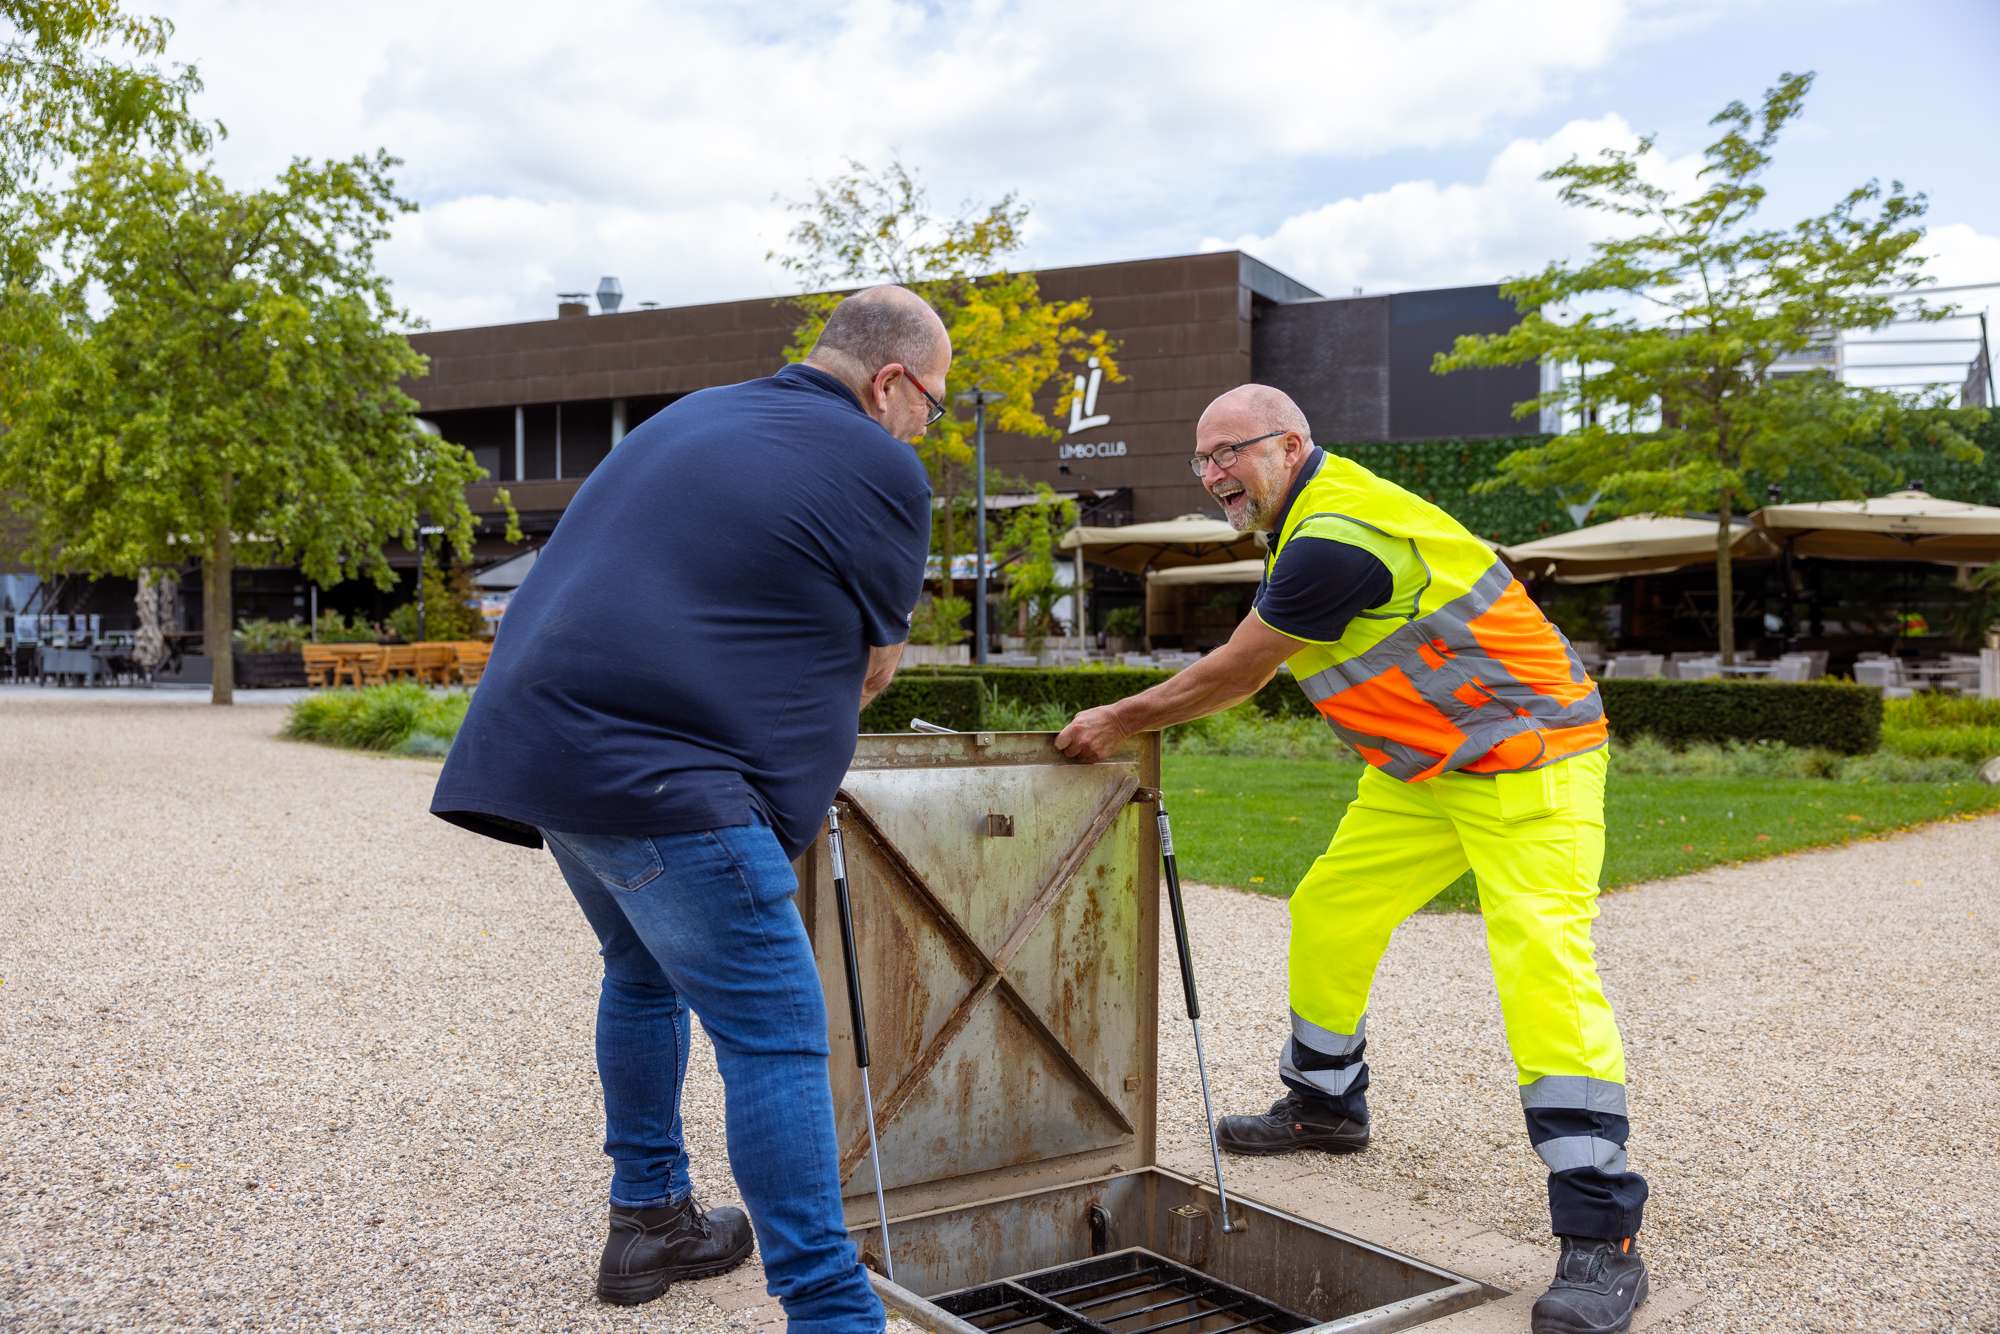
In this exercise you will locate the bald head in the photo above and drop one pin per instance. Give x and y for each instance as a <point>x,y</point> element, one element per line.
<point>881,325</point>
<point>889,347</point>
<point>1252,409</point>
<point>1266,440</point>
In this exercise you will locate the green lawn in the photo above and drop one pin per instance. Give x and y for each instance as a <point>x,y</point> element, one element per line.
<point>1258,823</point>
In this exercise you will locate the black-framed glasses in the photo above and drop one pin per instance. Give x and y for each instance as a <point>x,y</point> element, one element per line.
<point>937,408</point>
<point>1224,456</point>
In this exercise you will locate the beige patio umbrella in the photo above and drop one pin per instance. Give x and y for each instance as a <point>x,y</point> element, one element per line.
<point>1636,544</point>
<point>1229,572</point>
<point>1192,539</point>
<point>1903,525</point>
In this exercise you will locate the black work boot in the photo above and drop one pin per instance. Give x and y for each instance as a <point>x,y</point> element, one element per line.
<point>1599,1284</point>
<point>649,1248</point>
<point>1294,1122</point>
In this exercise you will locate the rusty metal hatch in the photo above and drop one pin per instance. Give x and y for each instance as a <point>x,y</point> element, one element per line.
<point>1006,918</point>
<point>1006,910</point>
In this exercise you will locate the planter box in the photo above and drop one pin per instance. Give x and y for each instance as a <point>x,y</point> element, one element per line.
<point>937,655</point>
<point>256,671</point>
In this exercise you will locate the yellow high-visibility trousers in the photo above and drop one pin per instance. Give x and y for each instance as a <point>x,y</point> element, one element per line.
<point>1535,842</point>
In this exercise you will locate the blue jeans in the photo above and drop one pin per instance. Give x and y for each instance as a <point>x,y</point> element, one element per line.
<point>706,921</point>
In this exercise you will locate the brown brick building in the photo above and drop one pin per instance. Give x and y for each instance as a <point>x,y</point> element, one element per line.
<point>541,403</point>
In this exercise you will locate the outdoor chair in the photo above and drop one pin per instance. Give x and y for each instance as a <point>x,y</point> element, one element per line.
<point>469,660</point>
<point>434,662</point>
<point>1792,669</point>
<point>1635,666</point>
<point>371,666</point>
<point>1885,674</point>
<point>1699,669</point>
<point>399,661</point>
<point>322,664</point>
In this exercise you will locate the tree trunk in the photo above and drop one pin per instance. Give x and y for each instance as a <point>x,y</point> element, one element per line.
<point>1725,587</point>
<point>218,617</point>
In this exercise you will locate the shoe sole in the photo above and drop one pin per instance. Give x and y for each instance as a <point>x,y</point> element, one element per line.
<point>638,1289</point>
<point>1274,1150</point>
<point>1553,1326</point>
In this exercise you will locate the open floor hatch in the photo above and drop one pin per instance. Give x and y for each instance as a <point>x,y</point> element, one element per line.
<point>1006,905</point>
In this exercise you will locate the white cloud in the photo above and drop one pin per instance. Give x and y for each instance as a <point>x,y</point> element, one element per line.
<point>1419,234</point>
<point>1961,255</point>
<point>649,140</point>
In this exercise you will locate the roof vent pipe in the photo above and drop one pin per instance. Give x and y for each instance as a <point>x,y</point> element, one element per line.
<point>610,292</point>
<point>572,304</point>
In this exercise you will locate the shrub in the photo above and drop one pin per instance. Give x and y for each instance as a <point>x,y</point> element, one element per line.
<point>402,717</point>
<point>451,609</point>
<point>257,636</point>
<point>1830,715</point>
<point>333,628</point>
<point>957,702</point>
<point>1124,622</point>
<point>940,621</point>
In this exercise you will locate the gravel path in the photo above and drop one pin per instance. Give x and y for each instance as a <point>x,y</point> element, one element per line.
<point>280,1050</point>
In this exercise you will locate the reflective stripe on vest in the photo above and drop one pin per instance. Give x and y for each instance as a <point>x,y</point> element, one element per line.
<point>1481,683</point>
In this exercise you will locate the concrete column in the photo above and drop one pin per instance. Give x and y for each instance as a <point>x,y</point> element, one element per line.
<point>520,443</point>
<point>617,421</point>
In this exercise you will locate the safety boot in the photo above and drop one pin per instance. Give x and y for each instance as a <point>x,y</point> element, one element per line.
<point>1599,1284</point>
<point>648,1249</point>
<point>1294,1122</point>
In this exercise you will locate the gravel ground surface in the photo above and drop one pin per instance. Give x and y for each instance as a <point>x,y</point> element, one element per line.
<point>280,1050</point>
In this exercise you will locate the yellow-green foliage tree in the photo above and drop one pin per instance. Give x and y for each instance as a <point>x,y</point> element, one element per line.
<point>866,227</point>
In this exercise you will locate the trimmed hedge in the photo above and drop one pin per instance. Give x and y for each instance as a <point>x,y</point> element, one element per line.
<point>1076,688</point>
<point>957,702</point>
<point>1829,715</point>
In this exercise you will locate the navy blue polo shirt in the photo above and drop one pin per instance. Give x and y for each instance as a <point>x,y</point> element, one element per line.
<point>687,652</point>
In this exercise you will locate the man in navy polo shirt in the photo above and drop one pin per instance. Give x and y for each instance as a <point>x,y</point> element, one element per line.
<point>671,707</point>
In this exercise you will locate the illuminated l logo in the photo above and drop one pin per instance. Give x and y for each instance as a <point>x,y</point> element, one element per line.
<point>1083,413</point>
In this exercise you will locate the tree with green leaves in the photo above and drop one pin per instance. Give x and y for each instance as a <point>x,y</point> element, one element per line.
<point>1681,319</point>
<point>231,392</point>
<point>867,227</point>
<point>1026,550</point>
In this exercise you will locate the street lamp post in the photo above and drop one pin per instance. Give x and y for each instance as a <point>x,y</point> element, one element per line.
<point>978,398</point>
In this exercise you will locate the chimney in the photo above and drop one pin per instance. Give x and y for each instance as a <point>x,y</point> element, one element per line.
<point>609,293</point>
<point>570,304</point>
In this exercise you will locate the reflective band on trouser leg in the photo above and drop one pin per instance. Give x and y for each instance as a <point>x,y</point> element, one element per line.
<point>1393,852</point>
<point>1538,892</point>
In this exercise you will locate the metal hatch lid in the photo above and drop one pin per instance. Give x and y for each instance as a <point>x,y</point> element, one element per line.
<point>1006,919</point>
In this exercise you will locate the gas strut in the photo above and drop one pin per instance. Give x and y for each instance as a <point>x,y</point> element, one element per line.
<point>834,845</point>
<point>1173,871</point>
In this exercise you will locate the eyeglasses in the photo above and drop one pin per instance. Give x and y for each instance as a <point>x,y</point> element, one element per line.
<point>1224,456</point>
<point>937,408</point>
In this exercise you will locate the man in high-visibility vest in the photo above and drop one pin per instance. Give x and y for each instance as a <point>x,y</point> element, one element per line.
<point>1485,745</point>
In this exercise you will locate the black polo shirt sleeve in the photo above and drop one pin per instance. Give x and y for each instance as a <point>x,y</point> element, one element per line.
<point>887,581</point>
<point>1318,585</point>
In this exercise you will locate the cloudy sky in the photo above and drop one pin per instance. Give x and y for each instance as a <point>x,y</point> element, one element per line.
<point>1374,144</point>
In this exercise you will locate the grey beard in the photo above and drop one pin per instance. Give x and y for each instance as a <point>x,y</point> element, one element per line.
<point>1253,518</point>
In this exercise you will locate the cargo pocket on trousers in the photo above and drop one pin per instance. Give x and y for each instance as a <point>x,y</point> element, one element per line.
<point>1529,795</point>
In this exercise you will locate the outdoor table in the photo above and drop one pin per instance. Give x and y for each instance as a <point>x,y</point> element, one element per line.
<point>67,662</point>
<point>1748,669</point>
<point>1930,676</point>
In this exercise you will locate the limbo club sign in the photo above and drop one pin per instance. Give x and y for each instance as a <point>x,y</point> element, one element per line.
<point>1084,416</point>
